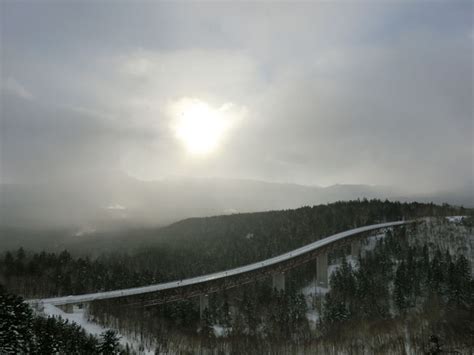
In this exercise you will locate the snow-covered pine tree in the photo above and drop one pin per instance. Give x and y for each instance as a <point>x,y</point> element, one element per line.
<point>109,344</point>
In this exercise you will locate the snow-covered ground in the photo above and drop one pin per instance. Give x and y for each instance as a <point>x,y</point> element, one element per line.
<point>312,289</point>
<point>454,236</point>
<point>220,331</point>
<point>79,317</point>
<point>371,242</point>
<point>314,293</point>
<point>455,219</point>
<point>313,318</point>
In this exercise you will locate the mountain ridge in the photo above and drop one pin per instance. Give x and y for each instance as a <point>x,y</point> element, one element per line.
<point>123,200</point>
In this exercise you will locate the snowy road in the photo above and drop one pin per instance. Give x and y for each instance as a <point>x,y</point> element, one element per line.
<point>218,275</point>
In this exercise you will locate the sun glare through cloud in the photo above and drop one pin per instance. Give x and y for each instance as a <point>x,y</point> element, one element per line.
<point>199,126</point>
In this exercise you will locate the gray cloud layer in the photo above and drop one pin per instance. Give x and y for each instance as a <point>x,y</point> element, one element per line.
<point>333,92</point>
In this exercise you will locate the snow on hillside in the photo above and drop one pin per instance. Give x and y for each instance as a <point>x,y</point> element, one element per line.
<point>455,219</point>
<point>448,233</point>
<point>314,294</point>
<point>79,317</point>
<point>371,242</point>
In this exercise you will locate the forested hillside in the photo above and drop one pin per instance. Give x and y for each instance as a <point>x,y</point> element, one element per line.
<point>409,288</point>
<point>412,284</point>
<point>197,246</point>
<point>409,293</point>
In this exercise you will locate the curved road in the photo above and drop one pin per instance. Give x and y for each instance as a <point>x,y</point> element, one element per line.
<point>217,275</point>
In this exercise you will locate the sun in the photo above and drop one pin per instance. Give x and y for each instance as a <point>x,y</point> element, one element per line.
<point>198,126</point>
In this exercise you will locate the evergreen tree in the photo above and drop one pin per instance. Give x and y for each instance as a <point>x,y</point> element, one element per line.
<point>21,332</point>
<point>16,319</point>
<point>249,311</point>
<point>207,329</point>
<point>436,277</point>
<point>109,344</point>
<point>334,311</point>
<point>460,283</point>
<point>400,288</point>
<point>226,317</point>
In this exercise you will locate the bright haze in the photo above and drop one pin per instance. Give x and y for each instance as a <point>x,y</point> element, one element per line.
<point>154,111</point>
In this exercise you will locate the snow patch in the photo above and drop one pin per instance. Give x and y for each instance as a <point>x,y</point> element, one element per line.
<point>313,317</point>
<point>371,242</point>
<point>455,219</point>
<point>78,316</point>
<point>220,331</point>
<point>311,289</point>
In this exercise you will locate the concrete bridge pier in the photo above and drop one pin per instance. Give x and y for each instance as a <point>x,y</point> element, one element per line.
<point>322,270</point>
<point>85,308</point>
<point>203,304</point>
<point>278,281</point>
<point>68,308</point>
<point>355,248</point>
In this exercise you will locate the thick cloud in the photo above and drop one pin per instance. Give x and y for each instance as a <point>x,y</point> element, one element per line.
<point>324,92</point>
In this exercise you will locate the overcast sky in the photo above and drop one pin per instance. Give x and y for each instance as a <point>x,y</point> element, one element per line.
<point>315,93</point>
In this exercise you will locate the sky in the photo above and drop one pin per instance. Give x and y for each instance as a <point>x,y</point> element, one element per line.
<point>315,93</point>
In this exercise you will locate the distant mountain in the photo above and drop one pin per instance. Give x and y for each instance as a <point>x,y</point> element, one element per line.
<point>117,200</point>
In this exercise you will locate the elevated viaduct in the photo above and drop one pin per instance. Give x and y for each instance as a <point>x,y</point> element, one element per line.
<point>203,285</point>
